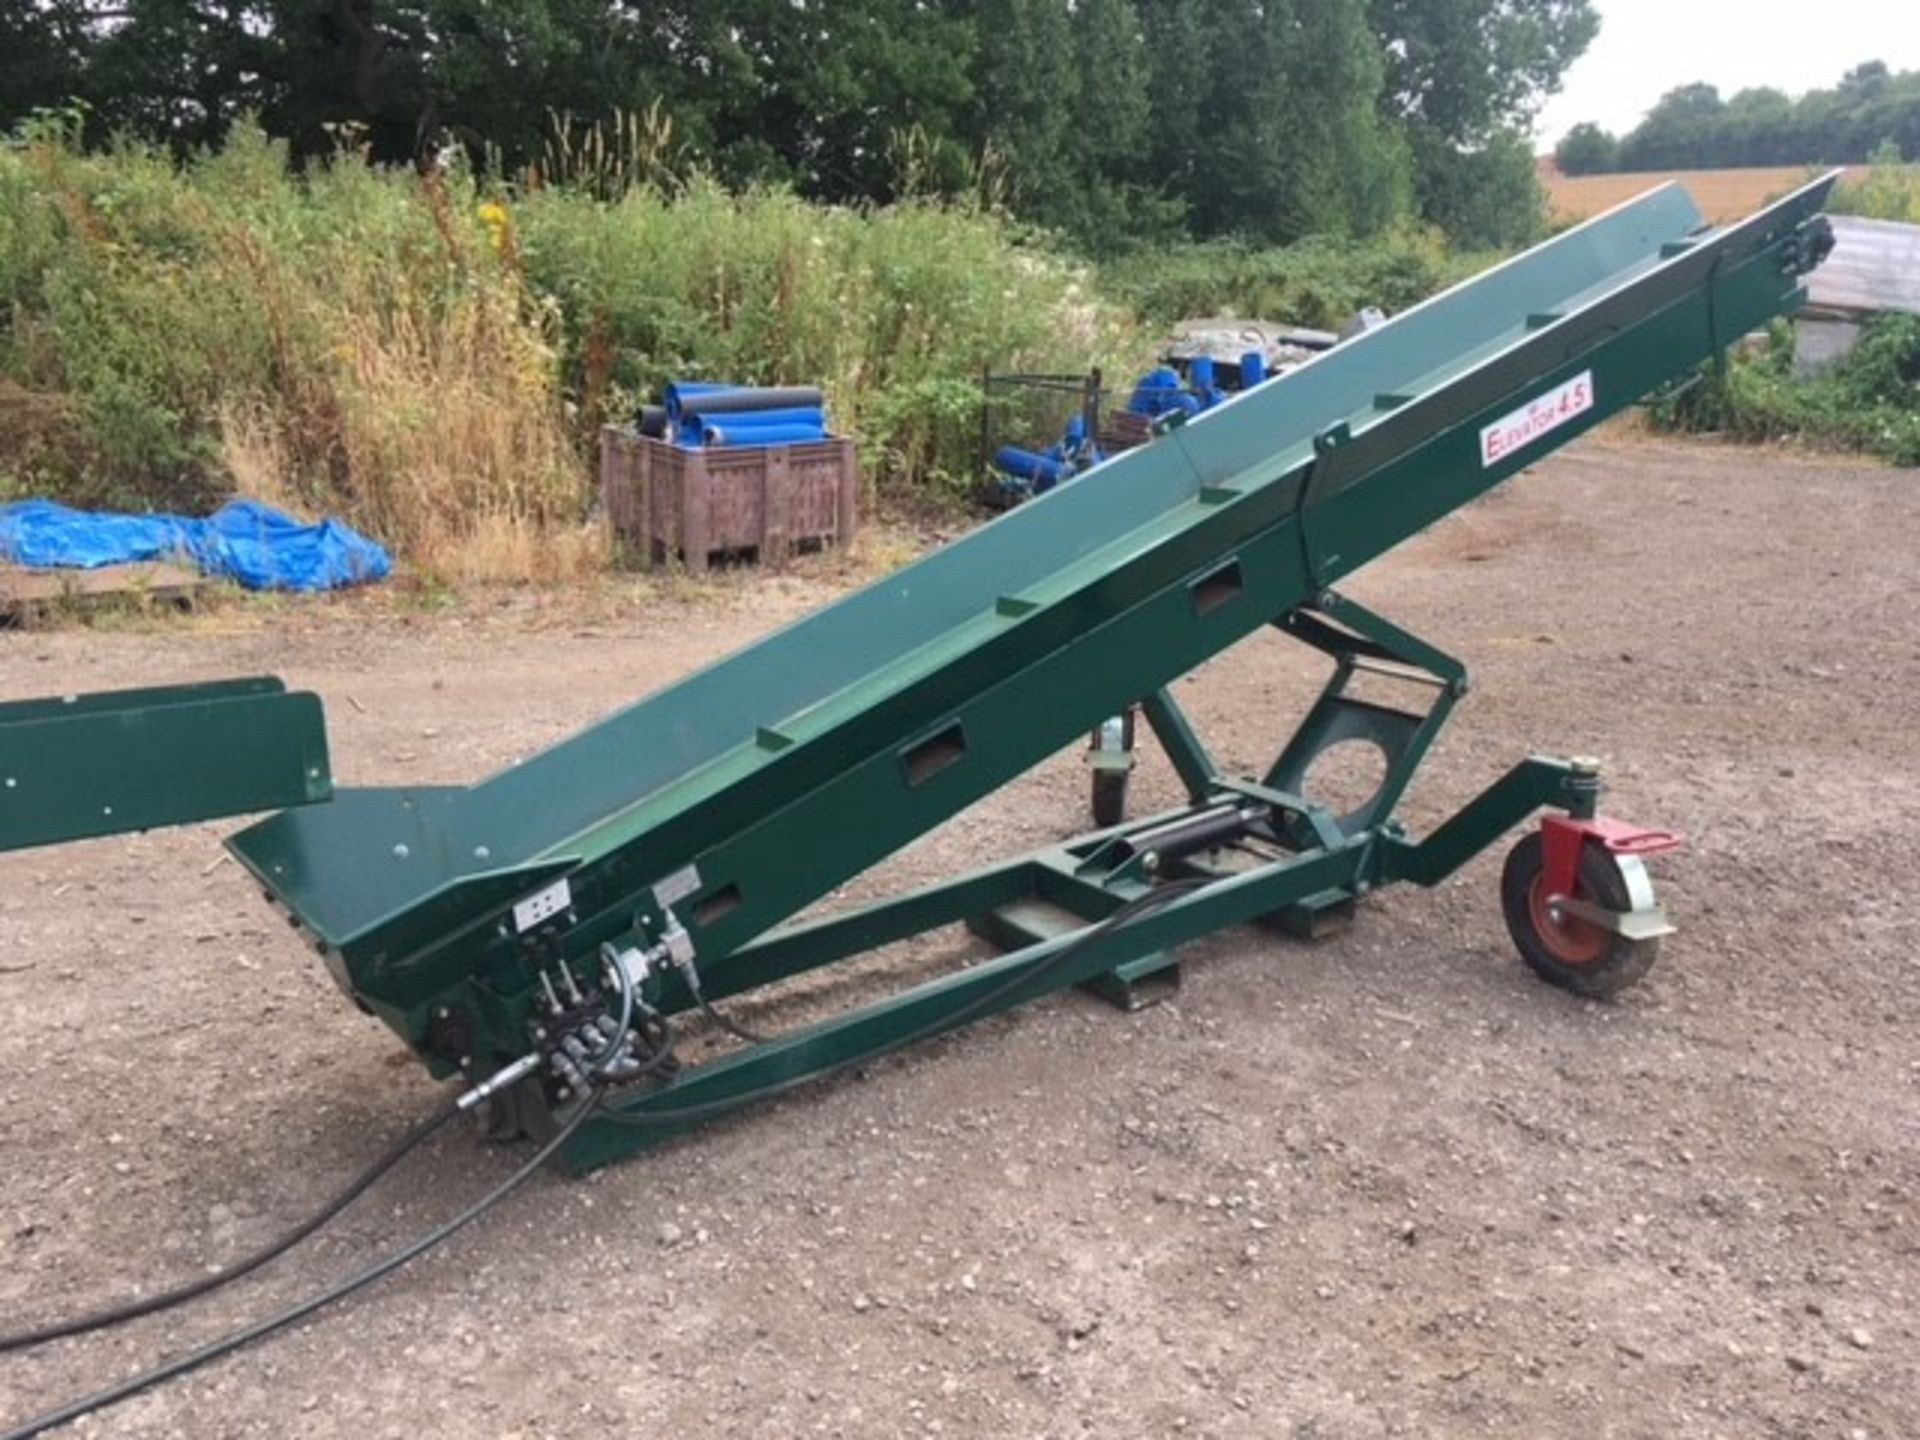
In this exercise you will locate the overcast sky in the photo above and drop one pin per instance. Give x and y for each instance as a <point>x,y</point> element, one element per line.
<point>1646,47</point>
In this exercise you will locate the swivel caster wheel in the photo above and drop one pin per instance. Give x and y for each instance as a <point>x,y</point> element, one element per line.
<point>1561,946</point>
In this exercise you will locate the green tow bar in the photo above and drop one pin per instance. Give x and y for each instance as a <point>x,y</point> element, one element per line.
<point>654,863</point>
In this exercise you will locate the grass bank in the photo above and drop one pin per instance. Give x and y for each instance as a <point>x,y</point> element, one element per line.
<point>429,357</point>
<point>1319,283</point>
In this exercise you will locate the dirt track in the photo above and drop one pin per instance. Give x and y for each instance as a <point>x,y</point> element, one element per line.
<point>1386,1184</point>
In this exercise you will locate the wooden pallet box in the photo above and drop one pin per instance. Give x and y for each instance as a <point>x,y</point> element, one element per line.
<point>664,499</point>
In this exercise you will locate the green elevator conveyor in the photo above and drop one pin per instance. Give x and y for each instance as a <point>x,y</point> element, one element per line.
<point>725,803</point>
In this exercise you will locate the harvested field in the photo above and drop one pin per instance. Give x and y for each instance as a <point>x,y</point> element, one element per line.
<point>1382,1185</point>
<point>1722,195</point>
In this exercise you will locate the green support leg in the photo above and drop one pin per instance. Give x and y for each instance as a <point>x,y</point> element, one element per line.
<point>806,945</point>
<point>1183,745</point>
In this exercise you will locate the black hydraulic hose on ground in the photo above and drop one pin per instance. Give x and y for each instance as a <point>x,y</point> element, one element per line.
<point>260,1329</point>
<point>689,1114</point>
<point>193,1289</point>
<point>591,1107</point>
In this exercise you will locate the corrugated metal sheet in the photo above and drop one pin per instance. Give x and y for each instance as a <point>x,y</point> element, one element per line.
<point>1875,266</point>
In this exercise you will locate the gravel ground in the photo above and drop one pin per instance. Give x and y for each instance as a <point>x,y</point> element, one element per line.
<point>1382,1184</point>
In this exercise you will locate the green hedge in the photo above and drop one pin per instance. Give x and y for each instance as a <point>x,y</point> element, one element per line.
<point>1869,402</point>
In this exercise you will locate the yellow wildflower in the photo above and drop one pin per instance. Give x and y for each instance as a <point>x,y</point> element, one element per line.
<point>493,215</point>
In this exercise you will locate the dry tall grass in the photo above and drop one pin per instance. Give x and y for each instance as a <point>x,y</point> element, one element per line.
<point>355,343</point>
<point>429,356</point>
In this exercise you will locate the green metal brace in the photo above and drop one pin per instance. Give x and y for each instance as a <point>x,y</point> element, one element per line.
<point>1363,642</point>
<point>1055,884</point>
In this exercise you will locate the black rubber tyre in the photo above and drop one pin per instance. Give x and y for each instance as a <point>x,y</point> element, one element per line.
<point>1109,797</point>
<point>1572,954</point>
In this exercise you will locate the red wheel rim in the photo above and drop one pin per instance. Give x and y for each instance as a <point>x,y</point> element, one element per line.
<point>1570,940</point>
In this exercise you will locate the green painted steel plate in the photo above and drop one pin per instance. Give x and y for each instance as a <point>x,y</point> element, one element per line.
<point>83,765</point>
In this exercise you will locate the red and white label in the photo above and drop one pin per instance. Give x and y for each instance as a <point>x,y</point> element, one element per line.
<point>1512,433</point>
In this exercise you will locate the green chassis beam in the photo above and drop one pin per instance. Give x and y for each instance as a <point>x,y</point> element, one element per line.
<point>77,766</point>
<point>1073,877</point>
<point>741,795</point>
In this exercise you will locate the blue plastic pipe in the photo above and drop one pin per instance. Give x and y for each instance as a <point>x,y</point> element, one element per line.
<point>738,435</point>
<point>1043,471</point>
<point>1157,392</point>
<point>694,418</point>
<point>1203,382</point>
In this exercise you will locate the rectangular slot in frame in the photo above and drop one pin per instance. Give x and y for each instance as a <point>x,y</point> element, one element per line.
<point>718,905</point>
<point>927,758</point>
<point>1216,588</point>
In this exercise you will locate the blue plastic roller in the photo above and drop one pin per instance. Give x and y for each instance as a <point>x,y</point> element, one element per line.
<point>695,418</point>
<point>1043,471</point>
<point>732,434</point>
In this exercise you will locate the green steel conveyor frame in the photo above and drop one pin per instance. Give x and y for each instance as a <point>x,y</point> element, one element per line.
<point>717,809</point>
<point>77,766</point>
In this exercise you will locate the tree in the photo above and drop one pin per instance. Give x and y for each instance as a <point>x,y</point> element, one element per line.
<point>1178,36</point>
<point>1586,149</point>
<point>1463,79</point>
<point>1355,165</point>
<point>1026,88</point>
<point>1487,199</point>
<point>1755,128</point>
<point>834,82</point>
<point>1110,127</point>
<point>1464,69</point>
<point>1267,118</point>
<point>169,69</point>
<point>1871,105</point>
<point>1678,133</point>
<point>1271,119</point>
<point>41,52</point>
<point>1691,127</point>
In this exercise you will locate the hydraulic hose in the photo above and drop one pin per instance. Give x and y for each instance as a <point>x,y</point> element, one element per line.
<point>624,982</point>
<point>591,1107</point>
<point>193,1289</point>
<point>732,1027</point>
<point>279,1320</point>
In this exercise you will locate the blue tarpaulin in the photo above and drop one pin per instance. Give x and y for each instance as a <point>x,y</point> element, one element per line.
<point>244,541</point>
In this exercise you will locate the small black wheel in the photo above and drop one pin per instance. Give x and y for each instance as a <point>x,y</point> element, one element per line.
<point>1567,951</point>
<point>1109,797</point>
